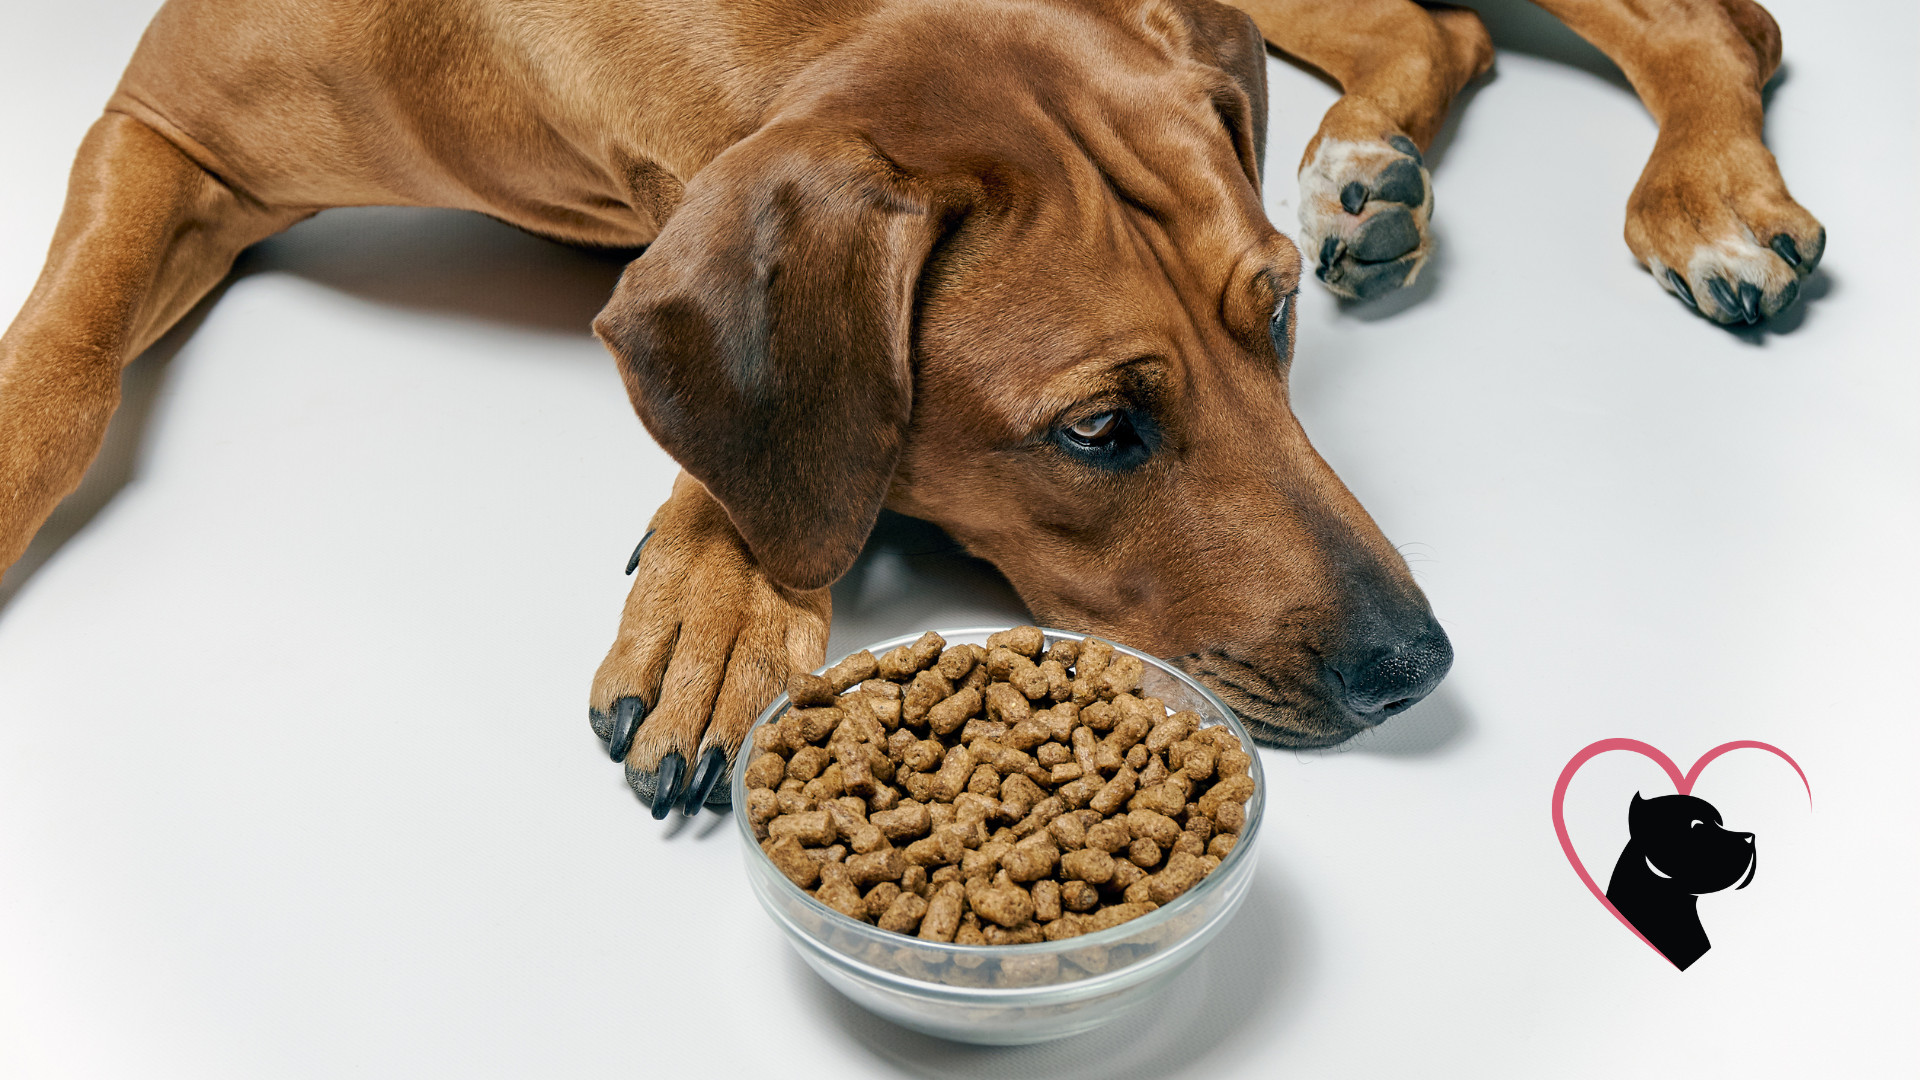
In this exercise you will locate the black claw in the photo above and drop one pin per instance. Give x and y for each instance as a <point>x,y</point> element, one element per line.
<point>1723,296</point>
<point>1680,289</point>
<point>667,791</point>
<point>713,764</point>
<point>1405,146</point>
<point>1354,196</point>
<point>627,714</point>
<point>633,563</point>
<point>1788,295</point>
<point>1788,251</point>
<point>1750,302</point>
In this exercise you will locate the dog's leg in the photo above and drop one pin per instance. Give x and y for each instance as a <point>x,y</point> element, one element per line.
<point>1710,217</point>
<point>144,234</point>
<point>1365,195</point>
<point>705,643</point>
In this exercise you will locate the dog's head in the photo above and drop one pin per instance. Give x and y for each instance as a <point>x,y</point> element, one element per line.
<point>1029,293</point>
<point>1682,840</point>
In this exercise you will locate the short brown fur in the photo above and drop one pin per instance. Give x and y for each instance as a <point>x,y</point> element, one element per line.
<point>897,247</point>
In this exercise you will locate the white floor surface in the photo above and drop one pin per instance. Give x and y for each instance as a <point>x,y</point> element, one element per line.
<point>296,779</point>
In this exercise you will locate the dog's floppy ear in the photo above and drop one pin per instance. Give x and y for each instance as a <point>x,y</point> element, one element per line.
<point>1228,39</point>
<point>764,338</point>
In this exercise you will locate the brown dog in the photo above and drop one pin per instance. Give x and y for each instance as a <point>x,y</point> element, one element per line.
<point>998,264</point>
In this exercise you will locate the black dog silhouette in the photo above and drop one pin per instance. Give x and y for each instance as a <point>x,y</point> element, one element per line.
<point>1676,851</point>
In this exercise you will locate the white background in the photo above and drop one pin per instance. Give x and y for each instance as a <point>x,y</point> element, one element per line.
<point>296,779</point>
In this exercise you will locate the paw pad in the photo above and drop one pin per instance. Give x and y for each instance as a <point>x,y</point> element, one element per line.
<point>1364,208</point>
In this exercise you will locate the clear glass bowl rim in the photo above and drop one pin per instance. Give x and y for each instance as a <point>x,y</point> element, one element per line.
<point>1111,936</point>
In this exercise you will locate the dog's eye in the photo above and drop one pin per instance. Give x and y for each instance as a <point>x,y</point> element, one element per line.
<point>1694,824</point>
<point>1096,430</point>
<point>1117,439</point>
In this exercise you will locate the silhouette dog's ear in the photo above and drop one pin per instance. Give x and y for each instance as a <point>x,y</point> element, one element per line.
<point>764,338</point>
<point>1636,815</point>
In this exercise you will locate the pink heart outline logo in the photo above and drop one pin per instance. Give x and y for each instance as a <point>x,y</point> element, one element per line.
<point>1681,784</point>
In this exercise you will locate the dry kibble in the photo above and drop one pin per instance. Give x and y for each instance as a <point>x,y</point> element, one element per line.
<point>1046,900</point>
<point>903,914</point>
<point>791,860</point>
<point>942,917</point>
<point>881,897</point>
<point>854,669</point>
<point>766,771</point>
<point>1023,640</point>
<point>994,795</point>
<point>1091,865</point>
<point>1183,872</point>
<point>1109,836</point>
<point>1078,896</point>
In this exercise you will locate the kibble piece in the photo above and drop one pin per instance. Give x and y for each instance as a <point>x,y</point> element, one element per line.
<point>1063,652</point>
<point>1007,905</point>
<point>955,662</point>
<point>1078,895</point>
<point>806,689</point>
<point>886,864</point>
<point>1108,918</point>
<point>813,828</point>
<point>1125,875</point>
<point>1024,640</point>
<point>1171,730</point>
<point>1099,717</point>
<point>1183,872</point>
<point>983,861</point>
<point>856,668</point>
<point>942,918</point>
<point>1059,683</point>
<point>1221,846</point>
<point>1229,817</point>
<point>810,725</point>
<point>762,807</point>
<point>1155,772</point>
<point>1122,676</point>
<point>1026,933</point>
<point>791,859</point>
<point>1115,793</point>
<point>1078,793</point>
<point>1068,832</point>
<point>1032,858</point>
<point>1090,865</point>
<point>1051,754</point>
<point>909,819</point>
<point>838,892</point>
<point>915,880</point>
<point>830,784</point>
<point>793,800</point>
<point>903,913</point>
<point>1046,900</point>
<point>941,848</point>
<point>881,897</point>
<point>1137,757</point>
<point>1094,657</point>
<point>1143,853</point>
<point>807,763</point>
<point>766,771</point>
<point>1038,818</point>
<point>946,717</point>
<point>929,688</point>
<point>1006,703</point>
<point>1109,836</point>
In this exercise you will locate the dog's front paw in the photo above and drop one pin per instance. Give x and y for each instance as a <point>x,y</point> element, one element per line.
<point>1715,225</point>
<point>1364,207</point>
<point>706,641</point>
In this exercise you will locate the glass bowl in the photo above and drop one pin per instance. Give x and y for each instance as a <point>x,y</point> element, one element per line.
<point>1013,994</point>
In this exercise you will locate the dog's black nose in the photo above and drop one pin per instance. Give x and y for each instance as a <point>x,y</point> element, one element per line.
<point>1389,679</point>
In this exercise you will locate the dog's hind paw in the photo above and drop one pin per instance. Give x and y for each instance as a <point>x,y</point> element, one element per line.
<point>705,643</point>
<point>1364,208</point>
<point>1714,224</point>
